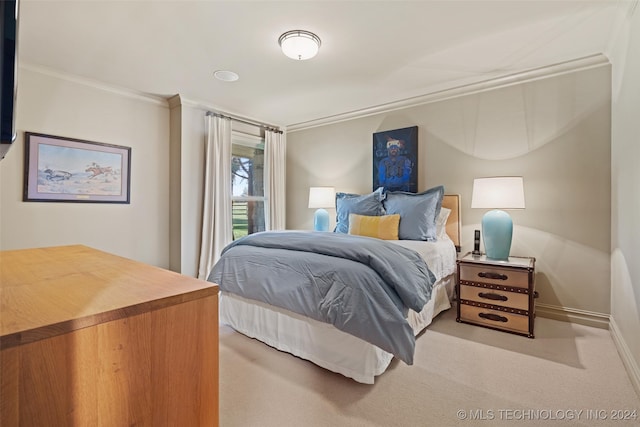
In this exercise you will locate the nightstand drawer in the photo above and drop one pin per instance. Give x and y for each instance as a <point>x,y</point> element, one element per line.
<point>495,297</point>
<point>517,278</point>
<point>495,319</point>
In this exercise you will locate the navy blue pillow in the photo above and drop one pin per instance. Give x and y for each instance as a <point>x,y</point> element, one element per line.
<point>418,212</point>
<point>367,204</point>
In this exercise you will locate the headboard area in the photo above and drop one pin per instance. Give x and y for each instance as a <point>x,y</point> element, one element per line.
<point>454,222</point>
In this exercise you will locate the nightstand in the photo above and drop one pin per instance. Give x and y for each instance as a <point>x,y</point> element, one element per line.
<point>497,294</point>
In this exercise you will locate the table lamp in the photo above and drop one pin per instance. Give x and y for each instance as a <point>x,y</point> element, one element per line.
<point>321,198</point>
<point>497,193</point>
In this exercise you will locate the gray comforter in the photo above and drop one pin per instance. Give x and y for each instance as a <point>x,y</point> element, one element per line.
<point>362,286</point>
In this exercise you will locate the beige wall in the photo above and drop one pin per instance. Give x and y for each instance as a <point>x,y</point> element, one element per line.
<point>187,177</point>
<point>59,106</point>
<point>625,239</point>
<point>161,226</point>
<point>555,132</point>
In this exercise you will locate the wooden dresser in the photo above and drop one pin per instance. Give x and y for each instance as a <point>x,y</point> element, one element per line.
<point>497,294</point>
<point>93,339</point>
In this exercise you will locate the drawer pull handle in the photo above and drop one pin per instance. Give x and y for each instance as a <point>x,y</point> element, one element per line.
<point>492,296</point>
<point>494,317</point>
<point>490,275</point>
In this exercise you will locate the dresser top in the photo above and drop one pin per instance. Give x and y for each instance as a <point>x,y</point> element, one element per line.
<point>49,291</point>
<point>516,262</point>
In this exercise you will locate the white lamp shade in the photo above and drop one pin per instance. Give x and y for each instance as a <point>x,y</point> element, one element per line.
<point>322,197</point>
<point>299,44</point>
<point>503,192</point>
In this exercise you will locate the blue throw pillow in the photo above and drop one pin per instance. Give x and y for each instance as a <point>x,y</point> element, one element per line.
<point>418,212</point>
<point>367,204</point>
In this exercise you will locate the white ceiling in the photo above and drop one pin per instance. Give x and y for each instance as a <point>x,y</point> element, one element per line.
<point>372,53</point>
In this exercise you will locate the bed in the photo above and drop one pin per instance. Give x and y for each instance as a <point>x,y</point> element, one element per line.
<point>324,343</point>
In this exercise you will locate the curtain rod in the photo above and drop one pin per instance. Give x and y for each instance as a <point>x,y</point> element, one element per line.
<point>246,122</point>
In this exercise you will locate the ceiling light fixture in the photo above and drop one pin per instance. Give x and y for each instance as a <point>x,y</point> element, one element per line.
<point>226,76</point>
<point>299,44</point>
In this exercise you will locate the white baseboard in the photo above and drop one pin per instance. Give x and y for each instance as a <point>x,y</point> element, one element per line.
<point>582,317</point>
<point>630,364</point>
<point>598,320</point>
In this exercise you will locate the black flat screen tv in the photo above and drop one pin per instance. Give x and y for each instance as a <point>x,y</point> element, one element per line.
<point>9,69</point>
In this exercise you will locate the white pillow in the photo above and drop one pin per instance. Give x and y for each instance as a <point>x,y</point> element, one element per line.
<point>441,223</point>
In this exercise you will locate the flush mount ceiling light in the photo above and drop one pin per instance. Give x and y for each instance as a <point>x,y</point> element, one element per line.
<point>226,76</point>
<point>299,44</point>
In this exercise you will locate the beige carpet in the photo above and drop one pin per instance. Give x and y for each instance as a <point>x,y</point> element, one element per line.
<point>569,375</point>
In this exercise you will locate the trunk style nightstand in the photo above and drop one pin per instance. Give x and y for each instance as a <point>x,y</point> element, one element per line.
<point>497,294</point>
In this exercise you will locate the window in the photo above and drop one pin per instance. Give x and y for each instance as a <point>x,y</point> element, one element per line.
<point>247,184</point>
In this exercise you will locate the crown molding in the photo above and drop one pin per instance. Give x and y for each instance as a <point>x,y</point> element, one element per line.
<point>129,93</point>
<point>201,105</point>
<point>580,64</point>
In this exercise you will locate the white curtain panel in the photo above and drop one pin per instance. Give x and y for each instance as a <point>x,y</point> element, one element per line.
<point>217,227</point>
<point>275,155</point>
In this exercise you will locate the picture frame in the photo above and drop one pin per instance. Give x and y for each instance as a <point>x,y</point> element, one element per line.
<point>60,169</point>
<point>395,160</point>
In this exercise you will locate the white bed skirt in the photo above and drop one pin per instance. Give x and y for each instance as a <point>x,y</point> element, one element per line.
<point>321,343</point>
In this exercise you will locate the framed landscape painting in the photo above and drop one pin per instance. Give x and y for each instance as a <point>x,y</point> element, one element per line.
<point>59,169</point>
<point>395,160</point>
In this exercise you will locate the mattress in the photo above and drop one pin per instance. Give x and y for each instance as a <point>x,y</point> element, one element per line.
<point>325,345</point>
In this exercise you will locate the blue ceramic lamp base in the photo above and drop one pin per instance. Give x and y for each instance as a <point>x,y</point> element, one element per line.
<point>497,230</point>
<point>321,220</point>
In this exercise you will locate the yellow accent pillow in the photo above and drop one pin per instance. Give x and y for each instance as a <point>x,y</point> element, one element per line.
<point>381,227</point>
